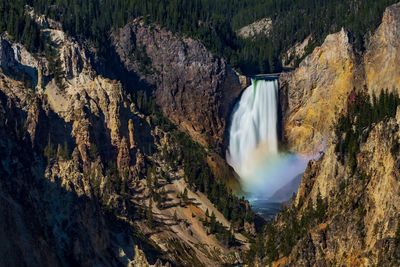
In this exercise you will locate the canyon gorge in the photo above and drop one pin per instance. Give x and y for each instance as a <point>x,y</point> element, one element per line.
<point>164,154</point>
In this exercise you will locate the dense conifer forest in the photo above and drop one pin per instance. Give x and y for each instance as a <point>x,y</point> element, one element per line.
<point>214,22</point>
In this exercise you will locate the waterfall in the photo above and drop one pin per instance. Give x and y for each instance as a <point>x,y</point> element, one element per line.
<point>253,143</point>
<point>254,125</point>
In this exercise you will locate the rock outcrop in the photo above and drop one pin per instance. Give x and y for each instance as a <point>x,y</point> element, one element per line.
<point>294,54</point>
<point>261,27</point>
<point>195,89</point>
<point>313,94</point>
<point>383,54</point>
<point>43,224</point>
<point>316,92</point>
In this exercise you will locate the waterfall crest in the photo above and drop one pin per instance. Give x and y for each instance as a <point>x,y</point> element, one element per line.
<point>254,125</point>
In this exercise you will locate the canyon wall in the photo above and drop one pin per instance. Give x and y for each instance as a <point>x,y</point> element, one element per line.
<point>80,163</point>
<point>359,222</point>
<point>360,226</point>
<point>313,95</point>
<point>383,54</point>
<point>195,89</point>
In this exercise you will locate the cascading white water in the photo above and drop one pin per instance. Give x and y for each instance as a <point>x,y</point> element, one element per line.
<point>253,143</point>
<point>254,123</point>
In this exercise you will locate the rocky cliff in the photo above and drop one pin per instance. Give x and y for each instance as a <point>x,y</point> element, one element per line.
<point>346,211</point>
<point>52,207</point>
<point>383,54</point>
<point>195,89</point>
<point>315,93</point>
<point>86,176</point>
<point>358,224</point>
<point>312,95</point>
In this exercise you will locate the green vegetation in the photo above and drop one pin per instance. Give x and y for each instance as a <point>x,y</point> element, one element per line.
<point>52,151</point>
<point>149,214</point>
<point>221,233</point>
<point>192,157</point>
<point>19,25</point>
<point>184,199</point>
<point>55,65</point>
<point>353,127</point>
<point>214,22</point>
<point>93,151</point>
<point>200,178</point>
<point>114,178</point>
<point>49,151</point>
<point>280,241</point>
<point>63,151</point>
<point>259,249</point>
<point>293,21</point>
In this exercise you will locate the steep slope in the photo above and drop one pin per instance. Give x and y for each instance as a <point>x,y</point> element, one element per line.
<point>96,176</point>
<point>286,192</point>
<point>193,88</point>
<point>360,218</point>
<point>346,211</point>
<point>383,54</point>
<point>48,194</point>
<point>312,95</point>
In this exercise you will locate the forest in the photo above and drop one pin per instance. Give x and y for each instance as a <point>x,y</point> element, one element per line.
<point>354,126</point>
<point>214,22</point>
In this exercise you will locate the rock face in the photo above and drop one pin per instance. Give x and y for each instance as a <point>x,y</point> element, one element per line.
<point>312,95</point>
<point>43,224</point>
<point>383,54</point>
<point>295,53</point>
<point>362,216</point>
<point>17,62</point>
<point>360,222</point>
<point>260,27</point>
<point>194,89</point>
<point>52,178</point>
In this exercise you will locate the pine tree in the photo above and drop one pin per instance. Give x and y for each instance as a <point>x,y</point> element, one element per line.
<point>49,151</point>
<point>185,195</point>
<point>149,214</point>
<point>63,151</point>
<point>320,207</point>
<point>93,152</point>
<point>213,223</point>
<point>207,214</point>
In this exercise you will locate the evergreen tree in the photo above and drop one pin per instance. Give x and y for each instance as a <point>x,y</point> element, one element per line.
<point>63,151</point>
<point>149,214</point>
<point>320,207</point>
<point>213,223</point>
<point>185,196</point>
<point>213,22</point>
<point>49,151</point>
